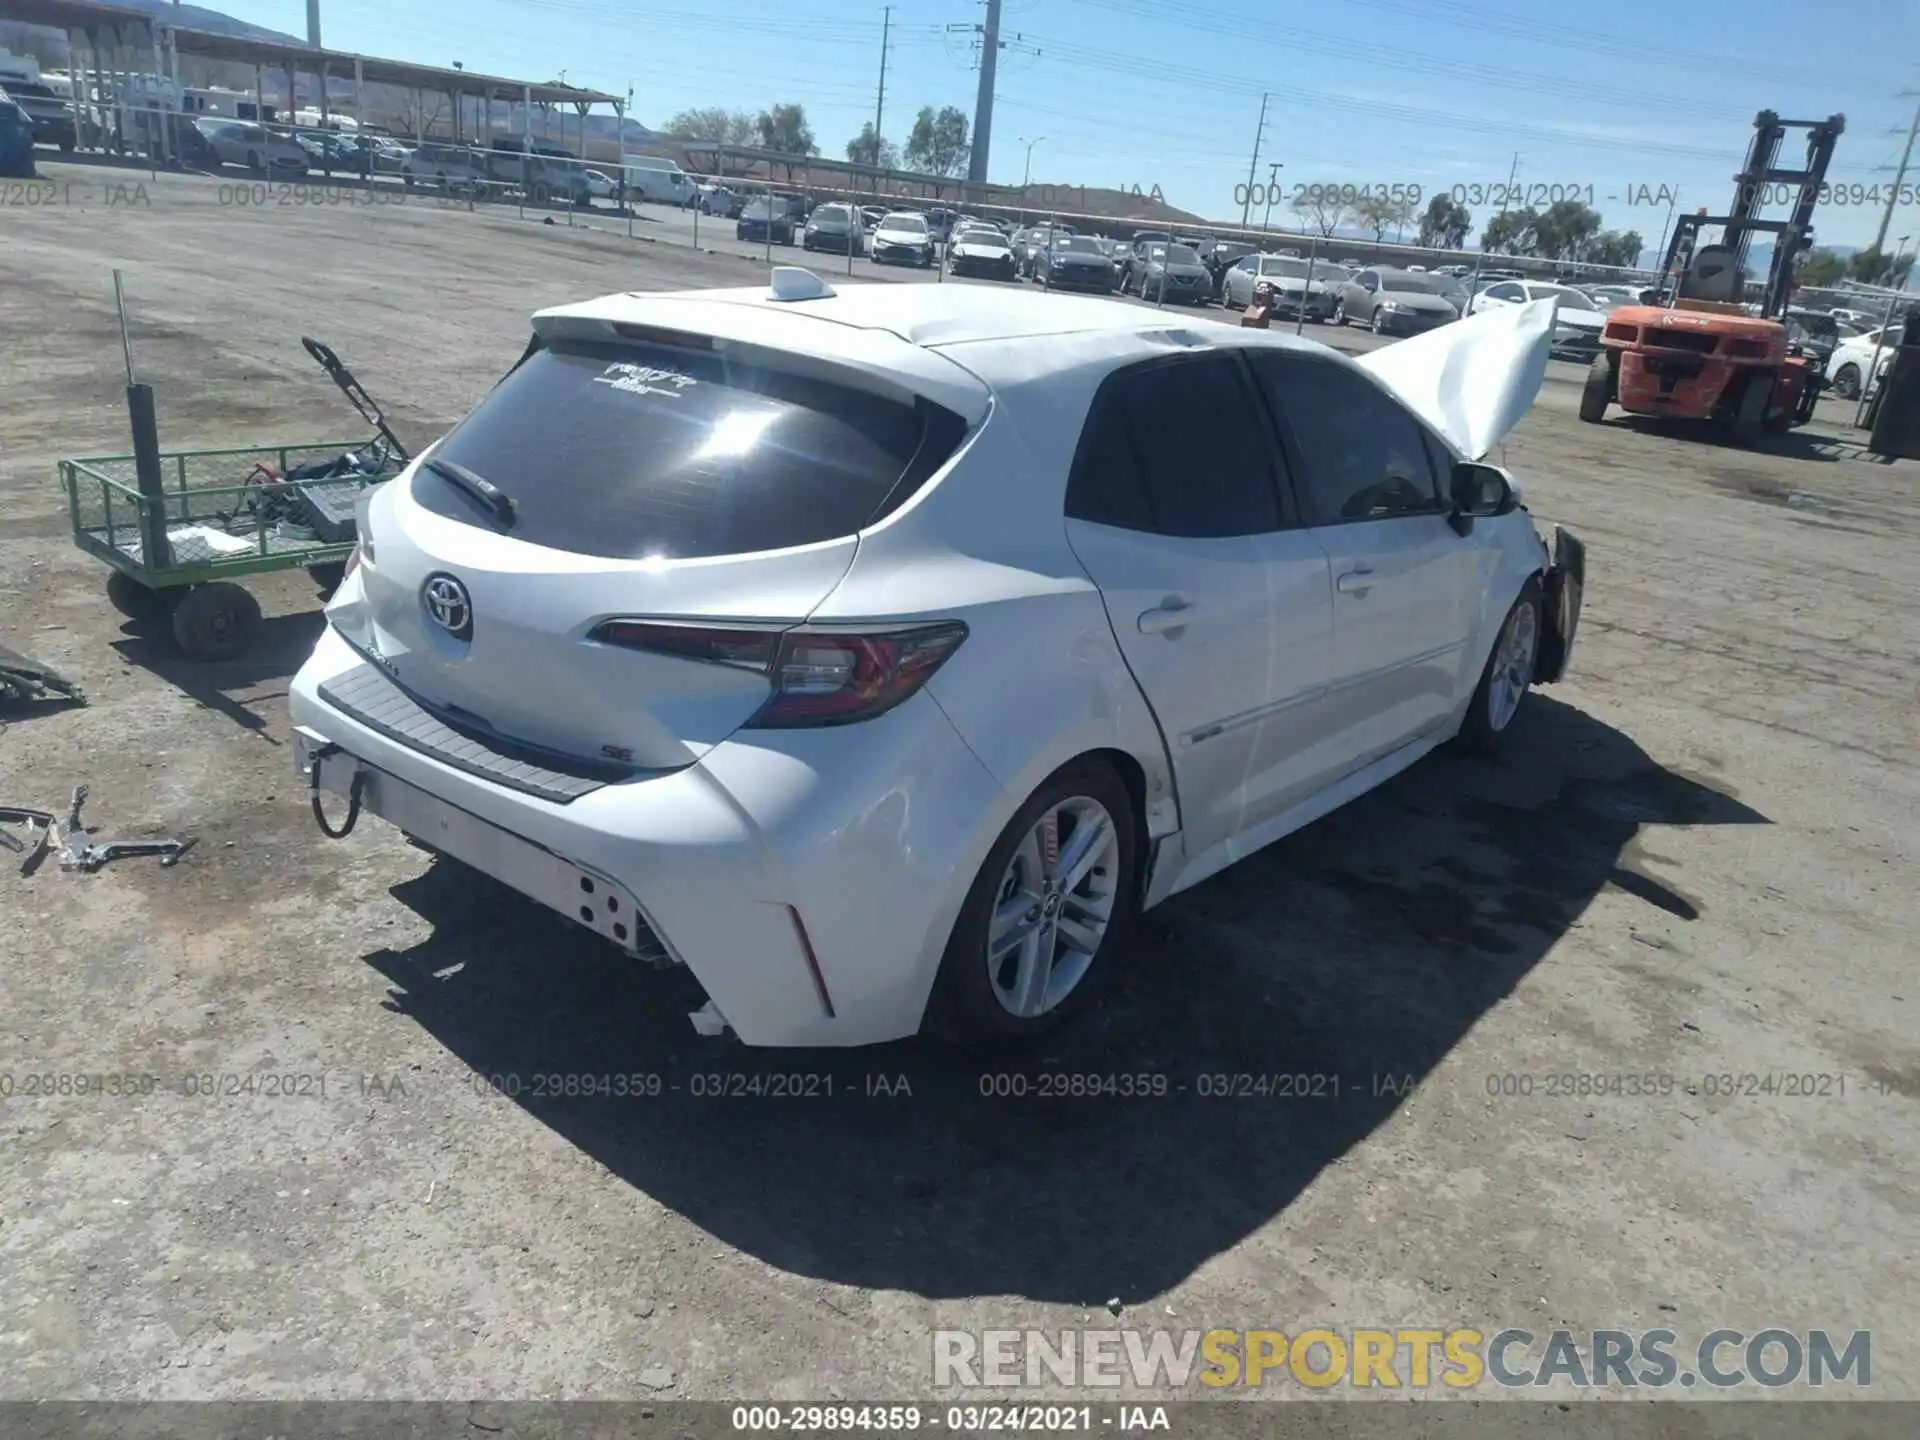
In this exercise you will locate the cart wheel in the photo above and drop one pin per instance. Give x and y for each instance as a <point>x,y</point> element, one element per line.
<point>328,576</point>
<point>137,601</point>
<point>216,621</point>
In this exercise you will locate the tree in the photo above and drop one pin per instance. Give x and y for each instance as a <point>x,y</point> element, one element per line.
<point>1378,214</point>
<point>1615,247</point>
<point>713,123</point>
<point>784,129</point>
<point>1564,230</point>
<point>1872,266</point>
<point>1320,207</point>
<point>1445,224</point>
<point>938,144</point>
<point>1511,232</point>
<point>1820,267</point>
<point>872,150</point>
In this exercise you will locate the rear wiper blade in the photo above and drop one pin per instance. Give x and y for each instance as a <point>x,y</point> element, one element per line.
<point>474,486</point>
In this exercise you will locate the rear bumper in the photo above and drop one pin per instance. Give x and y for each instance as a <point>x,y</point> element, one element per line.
<point>855,842</point>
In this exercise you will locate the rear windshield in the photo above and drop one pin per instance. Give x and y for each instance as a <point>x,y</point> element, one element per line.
<point>647,451</point>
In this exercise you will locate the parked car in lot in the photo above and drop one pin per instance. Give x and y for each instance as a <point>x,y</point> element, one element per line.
<point>1816,334</point>
<point>50,114</point>
<point>871,216</point>
<point>1220,256</point>
<point>982,251</point>
<point>902,238</point>
<point>837,228</point>
<point>1074,262</point>
<point>719,200</point>
<point>1392,302</point>
<point>1030,246</point>
<point>1294,294</point>
<point>16,140</point>
<point>452,168</point>
<point>1577,322</point>
<point>897,714</point>
<point>1855,364</point>
<point>1158,271</point>
<point>244,143</point>
<point>763,219</point>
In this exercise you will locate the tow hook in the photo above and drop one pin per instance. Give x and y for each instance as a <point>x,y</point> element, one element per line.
<point>320,757</point>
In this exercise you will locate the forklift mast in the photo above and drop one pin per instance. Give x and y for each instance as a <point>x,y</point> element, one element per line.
<point>1754,185</point>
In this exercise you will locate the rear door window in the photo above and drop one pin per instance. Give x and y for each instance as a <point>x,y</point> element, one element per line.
<point>631,451</point>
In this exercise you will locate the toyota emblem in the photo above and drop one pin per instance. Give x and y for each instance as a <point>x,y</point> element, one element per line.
<point>449,606</point>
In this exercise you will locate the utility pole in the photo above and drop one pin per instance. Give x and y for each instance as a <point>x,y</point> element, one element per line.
<point>1899,179</point>
<point>313,23</point>
<point>1274,167</point>
<point>983,100</point>
<point>1473,280</point>
<point>880,100</point>
<point>1253,165</point>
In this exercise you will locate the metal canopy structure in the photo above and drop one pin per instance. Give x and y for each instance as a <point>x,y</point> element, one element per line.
<point>280,55</point>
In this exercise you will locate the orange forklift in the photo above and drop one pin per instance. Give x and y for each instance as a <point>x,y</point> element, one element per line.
<point>1701,355</point>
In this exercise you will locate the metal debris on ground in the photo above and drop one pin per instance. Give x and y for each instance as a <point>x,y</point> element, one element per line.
<point>78,849</point>
<point>24,678</point>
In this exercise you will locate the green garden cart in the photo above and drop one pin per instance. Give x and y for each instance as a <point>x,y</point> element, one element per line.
<point>177,544</point>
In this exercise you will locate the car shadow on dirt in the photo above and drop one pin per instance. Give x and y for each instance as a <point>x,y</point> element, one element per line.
<point>1272,1018</point>
<point>279,648</point>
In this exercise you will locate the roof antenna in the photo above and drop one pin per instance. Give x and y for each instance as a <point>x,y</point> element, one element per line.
<point>791,282</point>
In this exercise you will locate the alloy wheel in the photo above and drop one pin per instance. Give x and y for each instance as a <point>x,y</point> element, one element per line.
<point>1053,908</point>
<point>1513,664</point>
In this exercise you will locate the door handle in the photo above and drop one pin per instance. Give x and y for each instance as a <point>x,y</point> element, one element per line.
<point>1354,582</point>
<point>1169,619</point>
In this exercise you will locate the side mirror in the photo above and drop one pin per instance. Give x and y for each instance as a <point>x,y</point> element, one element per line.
<point>1479,492</point>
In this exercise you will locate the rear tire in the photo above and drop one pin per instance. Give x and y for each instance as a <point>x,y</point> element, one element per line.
<point>970,1006</point>
<point>1502,691</point>
<point>216,621</point>
<point>1597,393</point>
<point>137,601</point>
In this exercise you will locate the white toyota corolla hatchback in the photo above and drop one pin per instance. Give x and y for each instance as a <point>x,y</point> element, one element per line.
<point>878,655</point>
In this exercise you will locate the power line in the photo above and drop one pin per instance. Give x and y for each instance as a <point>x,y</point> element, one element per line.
<point>1482,22</point>
<point>1095,59</point>
<point>1414,61</point>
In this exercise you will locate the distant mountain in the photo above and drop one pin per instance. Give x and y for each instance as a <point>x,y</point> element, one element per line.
<point>49,45</point>
<point>198,17</point>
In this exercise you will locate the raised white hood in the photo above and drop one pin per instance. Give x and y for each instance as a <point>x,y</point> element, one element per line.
<point>1471,380</point>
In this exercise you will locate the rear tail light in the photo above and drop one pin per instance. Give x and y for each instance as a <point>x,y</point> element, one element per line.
<point>819,677</point>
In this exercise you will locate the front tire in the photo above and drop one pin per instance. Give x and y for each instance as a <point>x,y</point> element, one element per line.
<point>1750,419</point>
<point>1339,312</point>
<point>1508,674</point>
<point>1846,382</point>
<point>1038,935</point>
<point>1597,393</point>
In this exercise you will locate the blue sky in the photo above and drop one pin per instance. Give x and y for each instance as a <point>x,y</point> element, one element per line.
<point>1435,93</point>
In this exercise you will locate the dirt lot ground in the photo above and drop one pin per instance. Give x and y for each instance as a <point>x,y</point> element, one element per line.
<point>1699,863</point>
